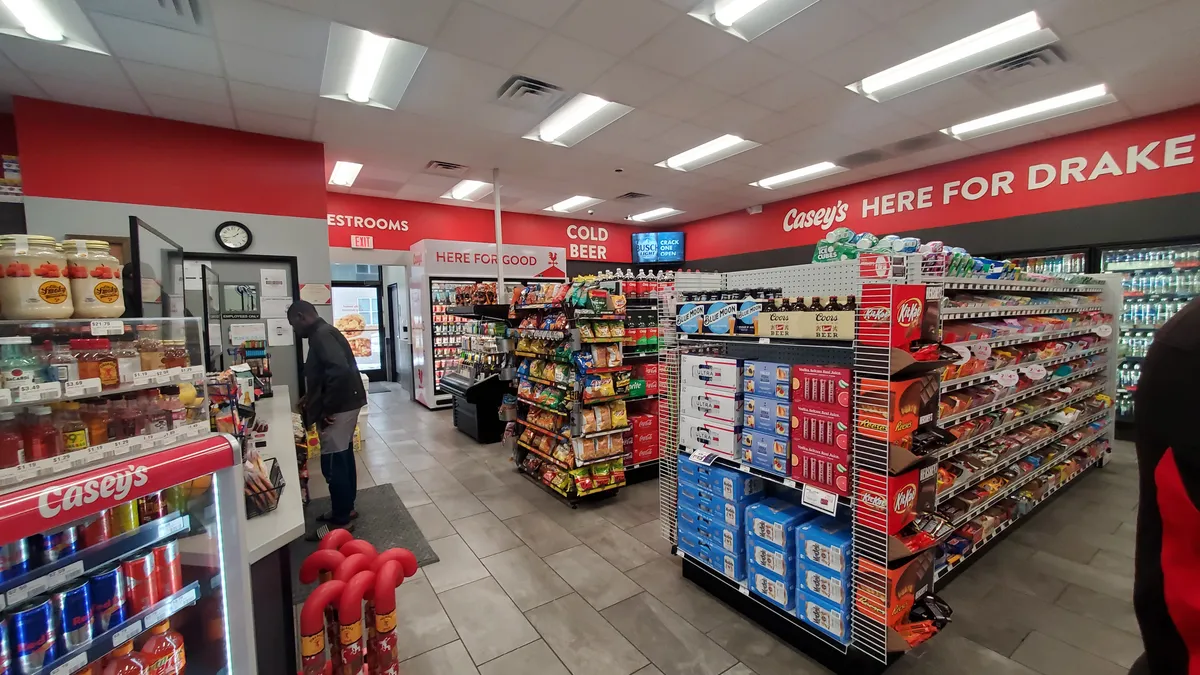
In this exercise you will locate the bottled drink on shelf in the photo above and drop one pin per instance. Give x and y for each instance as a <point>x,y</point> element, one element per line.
<point>816,305</point>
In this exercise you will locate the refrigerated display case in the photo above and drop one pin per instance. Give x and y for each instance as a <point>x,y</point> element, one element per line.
<point>1158,282</point>
<point>120,511</point>
<point>1074,262</point>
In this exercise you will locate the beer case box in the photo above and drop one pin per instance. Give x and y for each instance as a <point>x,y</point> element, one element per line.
<point>825,542</point>
<point>768,415</point>
<point>780,561</point>
<point>765,451</point>
<point>689,317</point>
<point>774,521</point>
<point>716,437</point>
<point>824,616</point>
<point>818,426</point>
<point>823,582</point>
<point>715,534</point>
<point>728,564</point>
<point>824,466</point>
<point>719,317</point>
<point>763,378</point>
<point>777,590</point>
<point>746,319</point>
<point>711,372</point>
<point>825,387</point>
<point>807,325</point>
<point>709,504</point>
<point>706,404</point>
<point>734,486</point>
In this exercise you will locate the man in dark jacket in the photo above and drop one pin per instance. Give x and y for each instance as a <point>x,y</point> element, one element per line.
<point>334,395</point>
<point>1166,589</point>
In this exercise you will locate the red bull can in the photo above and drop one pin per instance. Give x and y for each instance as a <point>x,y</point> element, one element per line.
<point>5,655</point>
<point>107,590</point>
<point>33,636</point>
<point>14,561</point>
<point>73,607</point>
<point>54,546</point>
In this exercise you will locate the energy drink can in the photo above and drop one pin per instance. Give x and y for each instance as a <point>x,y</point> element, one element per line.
<point>33,636</point>
<point>151,507</point>
<point>5,654</point>
<point>141,582</point>
<point>54,546</point>
<point>73,606</point>
<point>14,561</point>
<point>107,589</point>
<point>124,518</point>
<point>95,530</point>
<point>168,568</point>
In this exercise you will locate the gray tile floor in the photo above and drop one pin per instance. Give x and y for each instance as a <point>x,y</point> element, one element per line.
<point>527,585</point>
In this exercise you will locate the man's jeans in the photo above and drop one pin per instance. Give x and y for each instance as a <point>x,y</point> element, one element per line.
<point>342,475</point>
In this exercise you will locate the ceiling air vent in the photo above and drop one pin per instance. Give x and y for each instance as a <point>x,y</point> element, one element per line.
<point>860,159</point>
<point>630,196</point>
<point>192,16</point>
<point>917,144</point>
<point>1020,68</point>
<point>525,93</point>
<point>445,169</point>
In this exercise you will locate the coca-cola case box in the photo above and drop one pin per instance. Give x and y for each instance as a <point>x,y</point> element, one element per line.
<point>893,321</point>
<point>907,495</point>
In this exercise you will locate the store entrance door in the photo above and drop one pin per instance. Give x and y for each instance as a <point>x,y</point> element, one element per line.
<point>356,313</point>
<point>401,338</point>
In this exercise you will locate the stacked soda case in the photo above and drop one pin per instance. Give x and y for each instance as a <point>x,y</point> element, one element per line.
<point>823,567</point>
<point>771,549</point>
<point>712,515</point>
<point>49,625</point>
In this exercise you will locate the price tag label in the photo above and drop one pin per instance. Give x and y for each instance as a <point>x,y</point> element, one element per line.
<point>162,376</point>
<point>143,377</point>
<point>191,372</point>
<point>1035,372</point>
<point>981,350</point>
<point>1103,330</point>
<point>44,391</point>
<point>25,591</point>
<point>705,457</point>
<point>964,354</point>
<point>76,663</point>
<point>108,327</point>
<point>127,633</point>
<point>789,482</point>
<point>80,388</point>
<point>821,500</point>
<point>764,341</point>
<point>174,373</point>
<point>174,526</point>
<point>183,601</point>
<point>60,462</point>
<point>1006,378</point>
<point>743,590</point>
<point>6,398</point>
<point>159,615</point>
<point>9,477</point>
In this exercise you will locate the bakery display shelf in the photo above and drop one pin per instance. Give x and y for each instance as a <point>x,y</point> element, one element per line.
<point>565,386</point>
<point>605,432</point>
<point>1017,484</point>
<point>968,481</point>
<point>969,443</point>
<point>34,394</point>
<point>88,560</point>
<point>543,430</point>
<point>602,399</point>
<point>95,649</point>
<point>1026,338</point>
<point>756,339</point>
<point>543,357</point>
<point>539,334</point>
<point>548,458</point>
<point>949,313</point>
<point>958,562</point>
<point>607,369</point>
<point>547,408</point>
<point>843,502</point>
<point>950,283</point>
<point>980,378</point>
<point>1019,396</point>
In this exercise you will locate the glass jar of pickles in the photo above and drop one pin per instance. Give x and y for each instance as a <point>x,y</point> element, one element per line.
<point>34,284</point>
<point>95,275</point>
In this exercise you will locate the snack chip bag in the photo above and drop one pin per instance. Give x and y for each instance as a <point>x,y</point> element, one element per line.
<point>601,474</point>
<point>562,372</point>
<point>582,478</point>
<point>598,300</point>
<point>600,356</point>
<point>603,329</point>
<point>604,420</point>
<point>591,387</point>
<point>584,360</point>
<point>614,356</point>
<point>525,389</point>
<point>589,420</point>
<point>617,329</point>
<point>620,416</point>
<point>586,330</point>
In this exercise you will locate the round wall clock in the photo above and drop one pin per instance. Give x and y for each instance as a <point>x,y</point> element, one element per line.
<point>234,236</point>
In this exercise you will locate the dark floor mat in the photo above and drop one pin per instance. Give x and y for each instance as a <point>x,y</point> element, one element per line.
<point>379,387</point>
<point>382,520</point>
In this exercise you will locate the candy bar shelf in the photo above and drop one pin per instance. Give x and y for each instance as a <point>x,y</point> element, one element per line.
<point>1019,396</point>
<point>1020,310</point>
<point>1026,338</point>
<point>987,375</point>
<point>1050,286</point>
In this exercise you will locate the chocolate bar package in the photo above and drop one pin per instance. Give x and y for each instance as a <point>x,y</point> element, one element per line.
<point>911,404</point>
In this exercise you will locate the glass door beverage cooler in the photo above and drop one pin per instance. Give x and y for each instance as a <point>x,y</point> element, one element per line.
<point>1074,262</point>
<point>1159,281</point>
<point>120,511</point>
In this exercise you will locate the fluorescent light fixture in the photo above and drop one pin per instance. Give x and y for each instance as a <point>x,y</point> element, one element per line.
<point>727,12</point>
<point>655,214</point>
<point>1002,41</point>
<point>344,173</point>
<point>1039,111</point>
<point>371,51</point>
<point>805,173</point>
<point>574,204</point>
<point>469,191</point>
<point>34,18</point>
<point>579,118</point>
<point>712,151</point>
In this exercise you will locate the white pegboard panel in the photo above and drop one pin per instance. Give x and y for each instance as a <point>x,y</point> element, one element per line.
<point>698,281</point>
<point>838,278</point>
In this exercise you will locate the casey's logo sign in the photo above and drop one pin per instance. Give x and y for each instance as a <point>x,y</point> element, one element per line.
<point>114,486</point>
<point>823,218</point>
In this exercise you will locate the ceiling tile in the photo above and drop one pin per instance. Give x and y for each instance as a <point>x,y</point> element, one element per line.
<point>1008,139</point>
<point>544,13</point>
<point>685,46</point>
<point>742,69</point>
<point>275,125</point>
<point>775,126</point>
<point>270,27</point>
<point>640,123</point>
<point>152,79</point>
<point>259,98</point>
<point>889,10</point>
<point>272,69</point>
<point>487,36</point>
<point>616,26</point>
<point>683,136</point>
<point>789,90</point>
<point>732,117</point>
<point>82,92</point>
<point>1068,17</point>
<point>413,20</point>
<point>15,83</point>
<point>446,82</point>
<point>863,56</point>
<point>632,84</point>
<point>625,148</point>
<point>682,5</point>
<point>566,63</point>
<point>498,118</point>
<point>1145,38</point>
<point>943,21</point>
<point>686,100</point>
<point>33,56</point>
<point>190,111</point>
<point>951,99</point>
<point>161,46</point>
<point>768,160</point>
<point>816,30</point>
<point>821,143</point>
